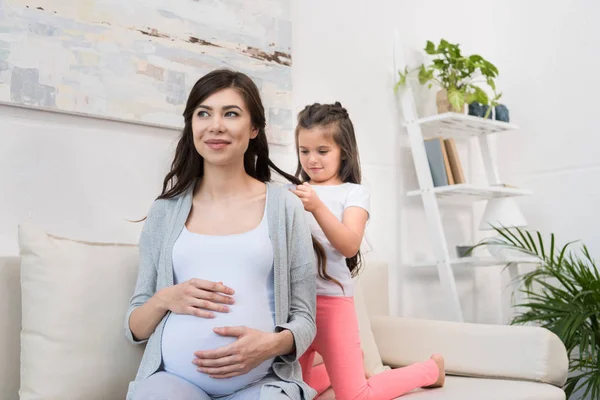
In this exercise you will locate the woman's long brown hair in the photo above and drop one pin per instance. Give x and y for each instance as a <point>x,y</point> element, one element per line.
<point>188,165</point>
<point>336,117</point>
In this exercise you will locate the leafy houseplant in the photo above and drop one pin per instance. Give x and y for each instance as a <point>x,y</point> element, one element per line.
<point>563,295</point>
<point>457,75</point>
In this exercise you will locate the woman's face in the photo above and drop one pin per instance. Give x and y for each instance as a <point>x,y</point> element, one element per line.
<point>222,128</point>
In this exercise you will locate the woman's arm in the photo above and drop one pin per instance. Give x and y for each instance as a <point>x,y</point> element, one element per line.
<point>196,297</point>
<point>144,315</point>
<point>250,349</point>
<point>346,235</point>
<point>147,307</point>
<point>303,296</point>
<point>144,319</point>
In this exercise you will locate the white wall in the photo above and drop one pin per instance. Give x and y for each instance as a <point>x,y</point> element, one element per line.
<point>83,178</point>
<point>546,54</point>
<point>77,177</point>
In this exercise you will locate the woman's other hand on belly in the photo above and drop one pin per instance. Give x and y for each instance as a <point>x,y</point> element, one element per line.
<point>251,348</point>
<point>196,297</point>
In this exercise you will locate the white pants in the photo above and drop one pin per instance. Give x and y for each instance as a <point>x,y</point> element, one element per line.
<point>165,386</point>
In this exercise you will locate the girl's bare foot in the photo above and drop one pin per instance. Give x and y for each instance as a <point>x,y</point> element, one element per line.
<point>439,360</point>
<point>327,395</point>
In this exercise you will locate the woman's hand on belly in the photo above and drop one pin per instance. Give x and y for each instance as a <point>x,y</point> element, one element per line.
<point>251,348</point>
<point>196,297</point>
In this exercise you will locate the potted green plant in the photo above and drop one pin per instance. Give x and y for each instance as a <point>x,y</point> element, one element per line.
<point>458,77</point>
<point>562,295</point>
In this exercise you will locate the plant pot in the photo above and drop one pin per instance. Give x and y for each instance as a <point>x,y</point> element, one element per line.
<point>443,104</point>
<point>461,251</point>
<point>502,113</point>
<point>478,110</point>
<point>499,113</point>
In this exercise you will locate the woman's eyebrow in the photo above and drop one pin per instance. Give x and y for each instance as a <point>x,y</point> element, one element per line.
<point>229,107</point>
<point>232,106</point>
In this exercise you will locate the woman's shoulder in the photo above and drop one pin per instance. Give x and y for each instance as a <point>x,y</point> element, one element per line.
<point>282,193</point>
<point>162,207</point>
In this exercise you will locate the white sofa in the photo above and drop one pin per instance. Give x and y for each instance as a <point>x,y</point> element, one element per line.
<point>485,362</point>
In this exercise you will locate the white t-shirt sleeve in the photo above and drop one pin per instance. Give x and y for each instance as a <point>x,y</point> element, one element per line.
<point>359,196</point>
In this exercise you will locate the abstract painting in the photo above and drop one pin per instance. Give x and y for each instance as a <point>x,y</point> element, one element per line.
<point>137,60</point>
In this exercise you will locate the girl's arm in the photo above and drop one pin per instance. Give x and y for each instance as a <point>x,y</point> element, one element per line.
<point>345,236</point>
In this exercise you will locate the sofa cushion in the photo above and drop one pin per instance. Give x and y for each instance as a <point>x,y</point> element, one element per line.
<point>374,281</point>
<point>74,298</point>
<point>498,351</point>
<point>461,388</point>
<point>372,360</point>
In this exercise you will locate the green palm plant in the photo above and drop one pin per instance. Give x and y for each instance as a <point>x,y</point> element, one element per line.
<point>562,295</point>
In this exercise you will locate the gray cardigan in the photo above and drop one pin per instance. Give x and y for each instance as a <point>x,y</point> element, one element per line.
<point>294,272</point>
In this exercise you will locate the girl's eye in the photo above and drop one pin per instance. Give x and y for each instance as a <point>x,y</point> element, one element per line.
<point>231,114</point>
<point>202,114</point>
<point>323,151</point>
<point>304,151</point>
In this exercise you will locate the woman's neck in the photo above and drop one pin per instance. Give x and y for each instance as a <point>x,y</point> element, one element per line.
<point>223,182</point>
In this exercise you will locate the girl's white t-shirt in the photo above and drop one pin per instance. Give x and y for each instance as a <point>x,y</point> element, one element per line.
<point>337,198</point>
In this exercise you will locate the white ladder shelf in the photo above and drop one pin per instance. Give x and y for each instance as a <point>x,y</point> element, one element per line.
<point>460,127</point>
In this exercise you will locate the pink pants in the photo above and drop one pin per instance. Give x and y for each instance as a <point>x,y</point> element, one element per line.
<point>338,343</point>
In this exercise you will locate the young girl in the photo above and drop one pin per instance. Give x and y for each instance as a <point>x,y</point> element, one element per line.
<point>338,210</point>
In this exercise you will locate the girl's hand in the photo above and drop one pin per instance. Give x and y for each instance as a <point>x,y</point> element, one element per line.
<point>196,297</point>
<point>309,197</point>
<point>251,348</point>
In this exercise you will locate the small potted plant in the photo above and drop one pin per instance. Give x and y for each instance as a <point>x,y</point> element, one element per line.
<point>458,77</point>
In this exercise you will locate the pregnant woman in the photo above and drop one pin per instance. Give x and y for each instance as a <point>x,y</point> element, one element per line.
<point>225,296</point>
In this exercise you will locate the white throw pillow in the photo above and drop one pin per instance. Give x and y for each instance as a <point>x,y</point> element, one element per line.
<point>74,297</point>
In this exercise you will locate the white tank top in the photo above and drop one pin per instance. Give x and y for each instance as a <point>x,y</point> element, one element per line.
<point>243,262</point>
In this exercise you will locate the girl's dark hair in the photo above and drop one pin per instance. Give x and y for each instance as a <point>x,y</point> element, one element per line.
<point>188,165</point>
<point>336,117</point>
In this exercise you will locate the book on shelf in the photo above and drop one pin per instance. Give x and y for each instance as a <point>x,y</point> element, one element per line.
<point>454,159</point>
<point>438,162</point>
<point>444,161</point>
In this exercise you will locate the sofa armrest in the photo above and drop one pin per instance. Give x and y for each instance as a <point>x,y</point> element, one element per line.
<point>10,327</point>
<point>495,351</point>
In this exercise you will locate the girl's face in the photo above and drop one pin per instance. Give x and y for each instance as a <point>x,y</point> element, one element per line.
<point>222,128</point>
<point>319,155</point>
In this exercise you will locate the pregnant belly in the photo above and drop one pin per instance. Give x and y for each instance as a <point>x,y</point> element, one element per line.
<point>185,334</point>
